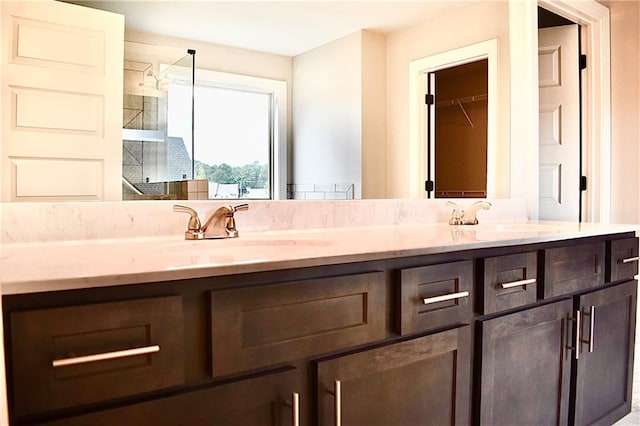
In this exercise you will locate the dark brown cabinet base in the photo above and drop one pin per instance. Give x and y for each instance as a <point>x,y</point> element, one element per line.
<point>526,367</point>
<point>604,369</point>
<point>481,337</point>
<point>261,401</point>
<point>422,381</point>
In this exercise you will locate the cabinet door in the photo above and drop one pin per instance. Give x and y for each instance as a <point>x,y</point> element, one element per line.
<point>605,364</point>
<point>262,401</point>
<point>526,366</point>
<point>423,381</point>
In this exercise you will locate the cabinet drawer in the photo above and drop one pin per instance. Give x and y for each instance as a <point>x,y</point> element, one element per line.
<point>509,282</point>
<point>434,296</point>
<point>264,400</point>
<point>255,327</point>
<point>52,352</point>
<point>623,263</point>
<point>571,269</point>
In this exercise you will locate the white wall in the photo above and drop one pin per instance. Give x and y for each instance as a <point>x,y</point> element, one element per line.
<point>327,116</point>
<point>339,114</point>
<point>625,110</point>
<point>477,22</point>
<point>374,115</point>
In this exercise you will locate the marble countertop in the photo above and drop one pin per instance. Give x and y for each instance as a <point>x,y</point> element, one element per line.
<point>52,266</point>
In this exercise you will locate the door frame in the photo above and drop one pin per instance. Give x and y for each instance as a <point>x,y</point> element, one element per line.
<point>596,103</point>
<point>594,19</point>
<point>418,68</point>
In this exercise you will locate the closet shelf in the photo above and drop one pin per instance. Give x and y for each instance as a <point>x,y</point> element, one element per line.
<point>465,100</point>
<point>460,102</point>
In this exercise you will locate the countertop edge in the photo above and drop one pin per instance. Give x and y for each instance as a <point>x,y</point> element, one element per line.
<point>59,282</point>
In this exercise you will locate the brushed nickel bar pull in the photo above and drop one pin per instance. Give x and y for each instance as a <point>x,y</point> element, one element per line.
<point>445,297</point>
<point>295,408</point>
<point>592,323</point>
<point>631,259</point>
<point>85,359</point>
<point>518,283</point>
<point>337,393</point>
<point>578,333</point>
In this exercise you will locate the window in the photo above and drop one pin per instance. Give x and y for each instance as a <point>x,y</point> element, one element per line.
<point>239,134</point>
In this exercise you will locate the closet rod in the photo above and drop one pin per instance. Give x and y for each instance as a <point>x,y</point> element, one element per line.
<point>464,100</point>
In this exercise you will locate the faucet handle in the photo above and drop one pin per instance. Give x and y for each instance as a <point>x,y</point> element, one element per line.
<point>232,232</point>
<point>240,207</point>
<point>455,214</point>
<point>194,231</point>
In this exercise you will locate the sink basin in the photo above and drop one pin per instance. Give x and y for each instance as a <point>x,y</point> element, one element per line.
<point>227,244</point>
<point>492,231</point>
<point>516,227</point>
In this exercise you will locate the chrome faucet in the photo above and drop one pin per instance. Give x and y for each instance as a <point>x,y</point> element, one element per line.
<point>468,216</point>
<point>220,224</point>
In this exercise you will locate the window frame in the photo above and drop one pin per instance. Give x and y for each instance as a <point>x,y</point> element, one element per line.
<point>277,89</point>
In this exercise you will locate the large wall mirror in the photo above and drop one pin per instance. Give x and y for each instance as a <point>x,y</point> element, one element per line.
<point>334,105</point>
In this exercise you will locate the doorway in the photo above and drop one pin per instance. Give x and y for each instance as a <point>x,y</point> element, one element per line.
<point>560,177</point>
<point>457,131</point>
<point>593,19</point>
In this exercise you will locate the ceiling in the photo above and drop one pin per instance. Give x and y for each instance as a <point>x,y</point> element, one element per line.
<point>281,27</point>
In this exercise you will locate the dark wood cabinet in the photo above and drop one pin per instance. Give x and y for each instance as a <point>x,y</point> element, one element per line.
<point>434,296</point>
<point>478,336</point>
<point>265,325</point>
<point>509,282</point>
<point>526,366</point>
<point>422,381</point>
<point>604,368</point>
<point>262,401</point>
<point>76,355</point>
<point>623,259</point>
<point>572,268</point>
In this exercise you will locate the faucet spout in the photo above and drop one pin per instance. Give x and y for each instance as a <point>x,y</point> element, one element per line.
<point>468,216</point>
<point>222,223</point>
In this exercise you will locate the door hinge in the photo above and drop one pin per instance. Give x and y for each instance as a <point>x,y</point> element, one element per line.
<point>428,185</point>
<point>583,183</point>
<point>583,62</point>
<point>429,99</point>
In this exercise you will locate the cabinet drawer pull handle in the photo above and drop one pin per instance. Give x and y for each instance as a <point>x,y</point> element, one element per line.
<point>576,348</point>
<point>518,283</point>
<point>105,356</point>
<point>592,323</point>
<point>295,408</point>
<point>631,259</point>
<point>337,391</point>
<point>445,297</point>
<point>337,407</point>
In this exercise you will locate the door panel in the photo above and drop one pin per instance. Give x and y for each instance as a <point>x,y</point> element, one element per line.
<point>62,102</point>
<point>526,367</point>
<point>559,161</point>
<point>423,381</point>
<point>261,401</point>
<point>605,367</point>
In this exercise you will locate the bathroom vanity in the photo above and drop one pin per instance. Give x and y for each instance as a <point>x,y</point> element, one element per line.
<point>424,324</point>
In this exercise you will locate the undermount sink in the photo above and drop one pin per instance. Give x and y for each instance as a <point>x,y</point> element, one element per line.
<point>515,227</point>
<point>225,244</point>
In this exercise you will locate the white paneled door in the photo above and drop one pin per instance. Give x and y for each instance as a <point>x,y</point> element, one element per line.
<point>62,76</point>
<point>559,173</point>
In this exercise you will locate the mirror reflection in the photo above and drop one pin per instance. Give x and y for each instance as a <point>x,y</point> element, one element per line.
<point>458,143</point>
<point>326,122</point>
<point>186,138</point>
